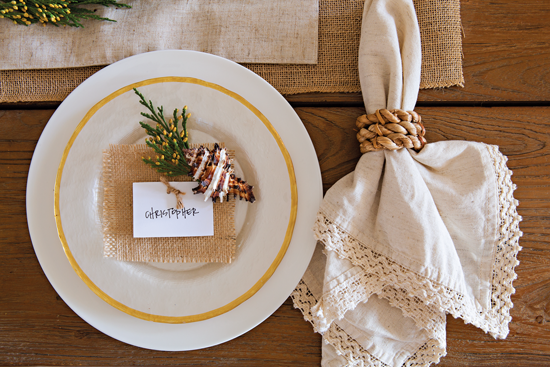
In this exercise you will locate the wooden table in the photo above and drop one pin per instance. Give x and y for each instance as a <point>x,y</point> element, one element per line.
<point>506,102</point>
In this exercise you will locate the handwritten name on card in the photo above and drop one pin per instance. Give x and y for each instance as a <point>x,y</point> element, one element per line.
<point>155,213</point>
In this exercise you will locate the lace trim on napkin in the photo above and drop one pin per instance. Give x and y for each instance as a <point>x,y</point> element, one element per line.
<point>350,349</point>
<point>358,288</point>
<point>379,272</point>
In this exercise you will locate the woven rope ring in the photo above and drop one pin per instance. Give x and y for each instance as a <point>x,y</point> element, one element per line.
<point>390,129</point>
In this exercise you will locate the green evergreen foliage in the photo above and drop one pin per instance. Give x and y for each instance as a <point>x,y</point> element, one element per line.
<point>56,12</point>
<point>166,139</point>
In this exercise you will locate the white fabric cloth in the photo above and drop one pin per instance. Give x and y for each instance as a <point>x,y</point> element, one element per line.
<point>408,237</point>
<point>248,31</point>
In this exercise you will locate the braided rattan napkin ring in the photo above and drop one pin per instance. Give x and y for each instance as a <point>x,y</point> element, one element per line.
<point>390,129</point>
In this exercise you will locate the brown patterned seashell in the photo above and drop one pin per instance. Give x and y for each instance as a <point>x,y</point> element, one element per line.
<point>214,172</point>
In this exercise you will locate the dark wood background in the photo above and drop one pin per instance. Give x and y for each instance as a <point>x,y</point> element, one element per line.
<point>506,101</point>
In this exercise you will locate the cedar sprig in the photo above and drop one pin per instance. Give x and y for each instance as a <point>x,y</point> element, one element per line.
<point>165,139</point>
<point>56,12</point>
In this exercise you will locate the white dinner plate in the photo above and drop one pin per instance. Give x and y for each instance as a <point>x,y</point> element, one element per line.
<point>275,241</point>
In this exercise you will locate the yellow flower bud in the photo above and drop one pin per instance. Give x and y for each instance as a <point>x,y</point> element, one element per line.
<point>162,157</point>
<point>157,163</point>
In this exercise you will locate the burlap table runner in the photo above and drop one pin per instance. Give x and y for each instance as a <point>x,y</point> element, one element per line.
<point>335,71</point>
<point>122,166</point>
<point>276,31</point>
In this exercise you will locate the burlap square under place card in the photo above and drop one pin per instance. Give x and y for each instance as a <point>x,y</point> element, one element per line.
<point>122,166</point>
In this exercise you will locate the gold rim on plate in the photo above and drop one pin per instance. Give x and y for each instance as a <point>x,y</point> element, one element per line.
<point>220,310</point>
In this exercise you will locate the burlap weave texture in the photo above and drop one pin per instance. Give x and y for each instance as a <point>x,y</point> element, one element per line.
<point>336,68</point>
<point>339,33</point>
<point>276,31</point>
<point>122,166</point>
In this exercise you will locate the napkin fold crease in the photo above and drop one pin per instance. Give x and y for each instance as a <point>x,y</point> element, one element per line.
<point>428,233</point>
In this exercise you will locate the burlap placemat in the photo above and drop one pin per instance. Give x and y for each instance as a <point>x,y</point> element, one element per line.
<point>122,166</point>
<point>335,71</point>
<point>339,34</point>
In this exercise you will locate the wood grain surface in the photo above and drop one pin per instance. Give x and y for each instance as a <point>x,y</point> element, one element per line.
<point>506,48</point>
<point>506,62</point>
<point>37,328</point>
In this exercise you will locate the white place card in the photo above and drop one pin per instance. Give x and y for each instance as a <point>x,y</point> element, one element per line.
<point>155,213</point>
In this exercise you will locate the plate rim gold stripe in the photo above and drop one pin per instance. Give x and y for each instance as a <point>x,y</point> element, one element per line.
<point>220,310</point>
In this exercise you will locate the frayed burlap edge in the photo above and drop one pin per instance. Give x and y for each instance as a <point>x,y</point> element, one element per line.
<point>335,72</point>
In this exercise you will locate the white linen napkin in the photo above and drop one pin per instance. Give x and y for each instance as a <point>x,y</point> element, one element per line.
<point>428,233</point>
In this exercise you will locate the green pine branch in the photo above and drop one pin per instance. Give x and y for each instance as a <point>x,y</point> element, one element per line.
<point>166,139</point>
<point>56,12</point>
